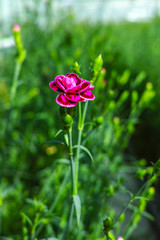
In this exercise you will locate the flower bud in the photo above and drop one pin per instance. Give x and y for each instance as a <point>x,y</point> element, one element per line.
<point>151,192</point>
<point>67,115</point>
<point>122,80</point>
<point>68,120</point>
<point>16,28</point>
<point>122,217</point>
<point>107,225</point>
<point>123,97</point>
<point>147,95</point>
<point>21,53</point>
<point>142,205</point>
<point>149,170</point>
<point>97,67</point>
<point>141,173</point>
<point>110,191</point>
<point>112,105</point>
<point>76,68</point>
<point>99,120</point>
<point>17,35</point>
<point>142,162</point>
<point>120,238</point>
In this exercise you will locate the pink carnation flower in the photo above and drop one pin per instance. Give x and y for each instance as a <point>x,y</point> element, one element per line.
<point>72,88</point>
<point>16,28</point>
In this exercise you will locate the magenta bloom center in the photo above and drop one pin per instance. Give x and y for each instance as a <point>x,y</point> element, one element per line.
<point>72,88</point>
<point>69,82</point>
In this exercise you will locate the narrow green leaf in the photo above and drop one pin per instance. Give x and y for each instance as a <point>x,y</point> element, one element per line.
<point>89,123</point>
<point>144,213</point>
<point>28,220</point>
<point>148,215</point>
<point>59,131</point>
<point>53,141</point>
<point>66,139</point>
<point>66,161</point>
<point>132,207</point>
<point>77,204</point>
<point>139,197</point>
<point>35,202</point>
<point>85,149</point>
<point>124,189</point>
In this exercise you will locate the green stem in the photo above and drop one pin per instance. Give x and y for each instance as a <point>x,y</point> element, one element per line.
<point>54,204</point>
<point>132,198</point>
<point>77,160</point>
<point>72,162</point>
<point>84,113</point>
<point>15,81</point>
<point>66,231</point>
<point>12,94</point>
<point>9,111</point>
<point>130,228</point>
<point>61,189</point>
<point>80,130</point>
<point>131,225</point>
<point>108,238</point>
<point>80,117</point>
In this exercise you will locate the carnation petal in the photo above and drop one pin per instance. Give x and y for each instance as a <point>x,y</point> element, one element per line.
<point>54,87</point>
<point>60,85</point>
<point>65,102</point>
<point>59,77</point>
<point>88,95</point>
<point>84,86</point>
<point>75,97</point>
<point>74,89</point>
<point>75,76</point>
<point>91,87</point>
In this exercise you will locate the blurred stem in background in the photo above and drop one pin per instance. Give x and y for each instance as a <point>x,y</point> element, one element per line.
<point>20,57</point>
<point>15,81</point>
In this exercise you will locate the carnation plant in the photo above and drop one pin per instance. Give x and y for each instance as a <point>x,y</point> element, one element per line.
<point>74,90</point>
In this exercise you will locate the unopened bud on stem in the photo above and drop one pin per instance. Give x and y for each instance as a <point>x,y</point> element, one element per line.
<point>120,238</point>
<point>16,28</point>
<point>21,53</point>
<point>67,115</point>
<point>107,225</point>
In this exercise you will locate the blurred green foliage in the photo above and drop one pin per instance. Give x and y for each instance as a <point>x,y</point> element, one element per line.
<point>34,176</point>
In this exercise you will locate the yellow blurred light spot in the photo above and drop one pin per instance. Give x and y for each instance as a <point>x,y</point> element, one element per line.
<point>149,86</point>
<point>51,150</point>
<point>116,120</point>
<point>4,92</point>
